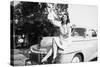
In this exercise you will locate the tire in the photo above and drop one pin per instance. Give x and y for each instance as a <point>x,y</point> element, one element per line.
<point>77,58</point>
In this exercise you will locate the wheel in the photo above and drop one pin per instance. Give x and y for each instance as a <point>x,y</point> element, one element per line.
<point>77,58</point>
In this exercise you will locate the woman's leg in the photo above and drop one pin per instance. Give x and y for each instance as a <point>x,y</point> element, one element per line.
<point>53,51</point>
<point>59,43</point>
<point>47,56</point>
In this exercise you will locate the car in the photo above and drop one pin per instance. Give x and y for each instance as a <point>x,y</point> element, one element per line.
<point>82,48</point>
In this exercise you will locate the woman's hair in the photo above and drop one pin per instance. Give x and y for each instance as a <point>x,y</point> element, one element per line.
<point>67,21</point>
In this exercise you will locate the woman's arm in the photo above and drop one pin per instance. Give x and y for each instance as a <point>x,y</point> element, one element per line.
<point>69,25</point>
<point>53,18</point>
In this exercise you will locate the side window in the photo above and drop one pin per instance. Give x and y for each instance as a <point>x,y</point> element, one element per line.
<point>78,32</point>
<point>91,33</point>
<point>74,32</point>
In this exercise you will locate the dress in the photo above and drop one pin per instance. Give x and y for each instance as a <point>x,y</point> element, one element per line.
<point>64,41</point>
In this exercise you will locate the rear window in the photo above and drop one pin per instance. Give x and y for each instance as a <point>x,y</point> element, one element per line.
<point>94,34</point>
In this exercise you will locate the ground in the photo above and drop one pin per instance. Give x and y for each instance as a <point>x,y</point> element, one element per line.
<point>19,56</point>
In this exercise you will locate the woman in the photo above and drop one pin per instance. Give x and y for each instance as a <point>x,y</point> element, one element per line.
<point>59,44</point>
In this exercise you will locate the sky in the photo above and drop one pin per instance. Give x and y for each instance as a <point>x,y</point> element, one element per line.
<point>83,15</point>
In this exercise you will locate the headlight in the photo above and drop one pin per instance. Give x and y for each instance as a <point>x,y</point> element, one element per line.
<point>20,40</point>
<point>29,52</point>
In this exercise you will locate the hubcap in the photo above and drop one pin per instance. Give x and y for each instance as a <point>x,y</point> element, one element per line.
<point>76,60</point>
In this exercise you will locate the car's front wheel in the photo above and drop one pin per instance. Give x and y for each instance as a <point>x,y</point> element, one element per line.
<point>77,58</point>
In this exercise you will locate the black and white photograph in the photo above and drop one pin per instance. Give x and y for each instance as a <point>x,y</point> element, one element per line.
<point>52,33</point>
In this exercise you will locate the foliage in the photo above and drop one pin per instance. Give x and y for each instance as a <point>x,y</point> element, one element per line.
<point>32,19</point>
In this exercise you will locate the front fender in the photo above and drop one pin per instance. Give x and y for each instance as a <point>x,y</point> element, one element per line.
<point>67,57</point>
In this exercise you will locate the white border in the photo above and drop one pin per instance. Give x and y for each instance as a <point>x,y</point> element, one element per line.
<point>5,31</point>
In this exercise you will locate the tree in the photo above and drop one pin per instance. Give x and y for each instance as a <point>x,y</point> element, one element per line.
<point>32,18</point>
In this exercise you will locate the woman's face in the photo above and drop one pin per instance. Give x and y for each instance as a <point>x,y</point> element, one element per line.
<point>64,18</point>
